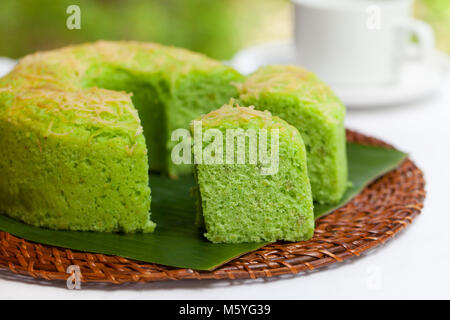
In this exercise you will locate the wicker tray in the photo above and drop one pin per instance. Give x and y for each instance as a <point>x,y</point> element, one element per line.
<point>379,212</point>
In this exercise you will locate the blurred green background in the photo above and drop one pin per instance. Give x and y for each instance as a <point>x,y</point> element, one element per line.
<point>218,28</point>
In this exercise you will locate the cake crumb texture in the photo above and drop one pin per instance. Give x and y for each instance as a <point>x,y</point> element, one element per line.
<point>237,203</point>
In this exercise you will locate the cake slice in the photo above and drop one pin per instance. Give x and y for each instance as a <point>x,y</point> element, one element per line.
<point>245,193</point>
<point>73,160</point>
<point>297,96</point>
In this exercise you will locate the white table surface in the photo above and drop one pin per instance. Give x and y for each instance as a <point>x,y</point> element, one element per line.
<point>415,264</point>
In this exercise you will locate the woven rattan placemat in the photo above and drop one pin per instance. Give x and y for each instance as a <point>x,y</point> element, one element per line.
<point>380,211</point>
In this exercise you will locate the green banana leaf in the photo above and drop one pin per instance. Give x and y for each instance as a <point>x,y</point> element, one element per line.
<point>365,164</point>
<point>177,241</point>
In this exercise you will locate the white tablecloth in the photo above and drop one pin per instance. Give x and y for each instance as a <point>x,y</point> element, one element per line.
<point>415,264</point>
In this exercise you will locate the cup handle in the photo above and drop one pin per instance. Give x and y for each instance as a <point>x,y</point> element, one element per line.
<point>422,31</point>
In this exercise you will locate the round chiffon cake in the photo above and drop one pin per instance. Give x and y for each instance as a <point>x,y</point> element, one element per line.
<point>81,126</point>
<point>239,201</point>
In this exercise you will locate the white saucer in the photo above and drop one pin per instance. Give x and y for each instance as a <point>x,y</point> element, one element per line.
<point>6,64</point>
<point>416,80</point>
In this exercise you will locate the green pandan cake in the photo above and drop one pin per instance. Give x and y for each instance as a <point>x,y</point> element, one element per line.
<point>251,199</point>
<point>74,147</point>
<point>297,96</point>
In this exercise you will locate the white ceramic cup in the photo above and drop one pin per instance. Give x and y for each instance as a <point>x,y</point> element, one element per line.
<point>358,41</point>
